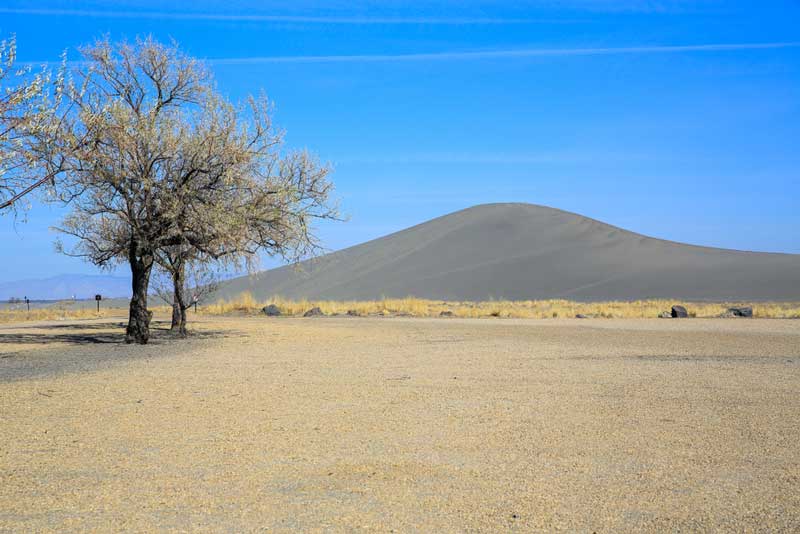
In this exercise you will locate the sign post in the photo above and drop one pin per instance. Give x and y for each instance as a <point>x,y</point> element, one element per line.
<point>28,303</point>
<point>98,298</point>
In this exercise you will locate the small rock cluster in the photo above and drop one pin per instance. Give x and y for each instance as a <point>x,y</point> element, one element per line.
<point>739,311</point>
<point>314,312</point>
<point>679,312</point>
<point>271,310</point>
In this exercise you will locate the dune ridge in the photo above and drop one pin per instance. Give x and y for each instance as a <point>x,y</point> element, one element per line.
<point>523,252</point>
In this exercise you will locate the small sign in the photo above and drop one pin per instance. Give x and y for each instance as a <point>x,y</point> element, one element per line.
<point>98,297</point>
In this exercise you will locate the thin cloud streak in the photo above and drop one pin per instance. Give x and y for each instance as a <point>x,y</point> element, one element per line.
<point>221,17</point>
<point>502,54</point>
<point>494,158</point>
<point>476,55</point>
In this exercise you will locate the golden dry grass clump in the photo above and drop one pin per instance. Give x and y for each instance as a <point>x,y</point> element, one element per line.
<point>65,310</point>
<point>57,311</point>
<point>245,303</point>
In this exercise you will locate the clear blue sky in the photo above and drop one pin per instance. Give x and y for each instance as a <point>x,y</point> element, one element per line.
<point>661,117</point>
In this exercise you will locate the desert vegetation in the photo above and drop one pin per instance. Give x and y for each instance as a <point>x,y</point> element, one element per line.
<point>159,170</point>
<point>67,311</point>
<point>50,314</point>
<point>26,109</point>
<point>246,304</point>
<point>527,309</point>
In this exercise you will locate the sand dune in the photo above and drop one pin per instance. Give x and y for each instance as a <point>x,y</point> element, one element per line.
<point>523,251</point>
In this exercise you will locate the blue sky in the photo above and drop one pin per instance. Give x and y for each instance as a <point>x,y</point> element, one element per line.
<point>679,120</point>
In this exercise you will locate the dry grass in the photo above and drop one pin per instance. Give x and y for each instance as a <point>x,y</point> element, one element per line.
<point>64,311</point>
<point>532,309</point>
<point>54,313</point>
<point>246,304</point>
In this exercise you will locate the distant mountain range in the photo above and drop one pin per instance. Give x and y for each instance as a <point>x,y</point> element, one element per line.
<point>523,251</point>
<point>65,286</point>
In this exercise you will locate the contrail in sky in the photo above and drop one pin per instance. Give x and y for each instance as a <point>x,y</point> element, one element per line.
<point>502,54</point>
<point>172,15</point>
<point>520,53</point>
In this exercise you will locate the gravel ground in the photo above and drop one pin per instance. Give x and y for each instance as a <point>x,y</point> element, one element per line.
<point>404,425</point>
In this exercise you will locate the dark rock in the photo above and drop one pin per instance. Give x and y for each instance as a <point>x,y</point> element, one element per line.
<point>679,312</point>
<point>581,316</point>
<point>271,310</point>
<point>446,313</point>
<point>314,312</point>
<point>741,311</point>
<point>353,313</point>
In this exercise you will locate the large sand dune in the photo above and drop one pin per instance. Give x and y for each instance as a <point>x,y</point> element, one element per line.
<point>522,251</point>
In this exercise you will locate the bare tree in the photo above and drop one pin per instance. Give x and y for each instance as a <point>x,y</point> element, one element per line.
<point>153,160</point>
<point>26,107</point>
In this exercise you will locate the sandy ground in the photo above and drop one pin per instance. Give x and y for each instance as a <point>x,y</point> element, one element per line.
<point>404,425</point>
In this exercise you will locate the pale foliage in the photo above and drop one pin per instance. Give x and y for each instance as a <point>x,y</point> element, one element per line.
<point>153,154</point>
<point>26,110</point>
<point>154,161</point>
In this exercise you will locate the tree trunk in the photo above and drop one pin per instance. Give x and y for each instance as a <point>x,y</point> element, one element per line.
<point>176,314</point>
<point>138,330</point>
<point>182,328</point>
<point>179,303</point>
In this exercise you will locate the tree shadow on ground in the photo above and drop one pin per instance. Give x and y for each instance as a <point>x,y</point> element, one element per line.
<point>82,326</point>
<point>88,348</point>
<point>96,333</point>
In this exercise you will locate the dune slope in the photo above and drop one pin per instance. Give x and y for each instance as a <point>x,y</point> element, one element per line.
<point>523,251</point>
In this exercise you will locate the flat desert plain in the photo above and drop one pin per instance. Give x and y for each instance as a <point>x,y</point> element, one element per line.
<point>404,425</point>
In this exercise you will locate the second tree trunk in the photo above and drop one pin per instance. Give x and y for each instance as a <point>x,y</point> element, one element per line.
<point>179,303</point>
